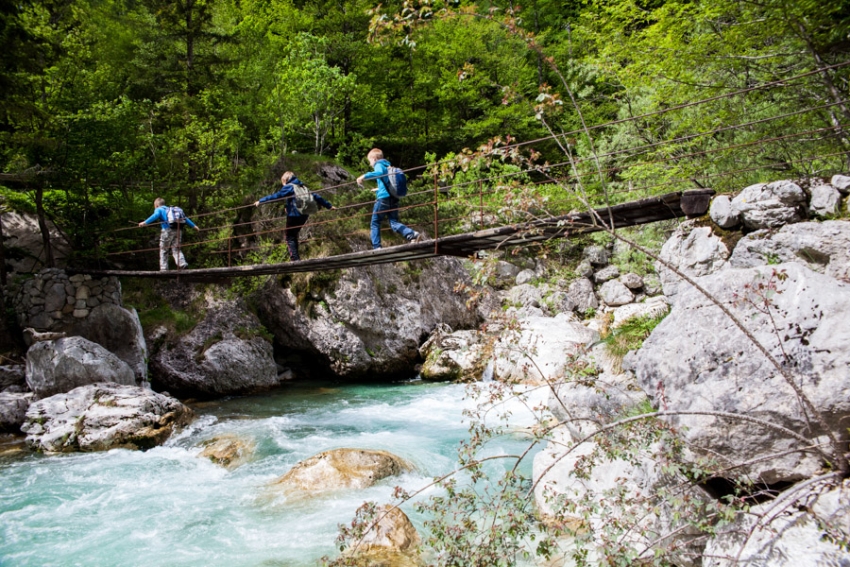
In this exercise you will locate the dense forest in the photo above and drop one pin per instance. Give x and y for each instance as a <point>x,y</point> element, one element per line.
<point>107,104</point>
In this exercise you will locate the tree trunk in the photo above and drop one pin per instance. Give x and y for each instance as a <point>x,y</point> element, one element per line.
<point>42,225</point>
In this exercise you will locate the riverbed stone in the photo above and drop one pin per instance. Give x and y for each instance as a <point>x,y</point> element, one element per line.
<point>339,469</point>
<point>104,416</point>
<point>55,367</point>
<point>229,451</point>
<point>457,356</point>
<point>392,541</point>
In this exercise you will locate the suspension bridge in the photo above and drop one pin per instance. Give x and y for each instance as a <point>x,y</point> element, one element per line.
<point>467,217</point>
<point>669,206</point>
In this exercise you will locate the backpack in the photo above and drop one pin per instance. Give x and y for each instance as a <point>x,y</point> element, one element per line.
<point>396,182</point>
<point>304,201</point>
<point>175,216</point>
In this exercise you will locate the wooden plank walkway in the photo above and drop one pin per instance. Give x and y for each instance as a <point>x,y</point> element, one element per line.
<point>669,206</point>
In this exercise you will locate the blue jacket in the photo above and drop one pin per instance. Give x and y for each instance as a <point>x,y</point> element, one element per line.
<point>379,173</point>
<point>288,192</point>
<point>161,215</point>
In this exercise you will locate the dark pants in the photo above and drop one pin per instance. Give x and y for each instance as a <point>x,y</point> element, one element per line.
<point>293,228</point>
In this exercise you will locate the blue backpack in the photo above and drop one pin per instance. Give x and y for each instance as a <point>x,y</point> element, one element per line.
<point>396,182</point>
<point>175,217</point>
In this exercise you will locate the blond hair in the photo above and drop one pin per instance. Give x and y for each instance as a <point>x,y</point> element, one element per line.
<point>375,153</point>
<point>158,202</point>
<point>286,177</point>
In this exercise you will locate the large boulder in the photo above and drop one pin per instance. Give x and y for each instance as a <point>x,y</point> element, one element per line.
<point>119,331</point>
<point>13,410</point>
<point>55,367</point>
<point>771,205</point>
<point>51,301</point>
<point>454,356</point>
<point>697,360</point>
<point>99,417</point>
<point>613,293</point>
<point>822,246</point>
<point>366,321</point>
<point>692,251</point>
<point>339,469</point>
<point>226,353</point>
<point>809,528</point>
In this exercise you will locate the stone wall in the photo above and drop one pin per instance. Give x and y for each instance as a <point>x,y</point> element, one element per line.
<point>52,300</point>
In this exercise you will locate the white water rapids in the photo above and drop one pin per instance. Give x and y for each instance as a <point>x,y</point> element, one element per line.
<point>168,507</point>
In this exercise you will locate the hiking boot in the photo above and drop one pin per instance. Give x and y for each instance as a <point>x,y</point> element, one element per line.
<point>418,237</point>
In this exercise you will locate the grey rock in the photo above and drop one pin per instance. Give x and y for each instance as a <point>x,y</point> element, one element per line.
<point>651,308</point>
<point>823,247</point>
<point>697,360</point>
<point>694,252</point>
<point>582,295</point>
<point>606,274</point>
<point>841,182</point>
<point>614,293</point>
<point>631,281</point>
<point>525,276</point>
<point>99,417</point>
<point>22,234</point>
<point>825,201</point>
<point>55,367</point>
<point>770,205</point>
<point>55,298</point>
<point>226,353</point>
<point>584,269</point>
<point>453,356</point>
<point>12,375</point>
<point>119,331</point>
<point>652,284</point>
<point>505,274</point>
<point>371,320</point>
<point>341,469</point>
<point>13,410</point>
<point>807,531</point>
<point>596,255</point>
<point>722,213</point>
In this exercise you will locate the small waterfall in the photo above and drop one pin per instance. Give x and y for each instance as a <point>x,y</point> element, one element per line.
<point>487,374</point>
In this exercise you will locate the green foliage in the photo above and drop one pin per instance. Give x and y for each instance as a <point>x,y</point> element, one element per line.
<point>630,335</point>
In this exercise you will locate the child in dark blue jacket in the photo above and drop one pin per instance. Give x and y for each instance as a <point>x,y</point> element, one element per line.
<point>386,206</point>
<point>295,219</point>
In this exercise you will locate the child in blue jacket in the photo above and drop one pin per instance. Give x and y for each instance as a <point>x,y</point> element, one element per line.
<point>295,219</point>
<point>386,206</point>
<point>170,235</point>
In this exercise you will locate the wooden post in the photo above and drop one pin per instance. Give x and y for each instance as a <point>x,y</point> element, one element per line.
<point>436,215</point>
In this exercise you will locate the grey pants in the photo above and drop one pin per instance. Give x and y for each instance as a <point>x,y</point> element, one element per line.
<point>170,238</point>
